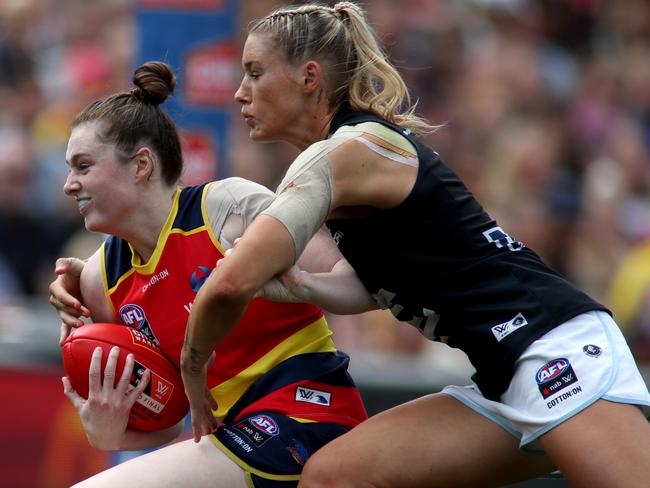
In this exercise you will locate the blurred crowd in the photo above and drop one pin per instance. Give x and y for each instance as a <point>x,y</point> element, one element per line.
<point>543,109</point>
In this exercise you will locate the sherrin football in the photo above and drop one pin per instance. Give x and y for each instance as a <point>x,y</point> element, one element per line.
<point>163,402</point>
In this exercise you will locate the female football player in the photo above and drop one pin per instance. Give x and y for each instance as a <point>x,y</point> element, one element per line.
<point>278,388</point>
<point>553,372</point>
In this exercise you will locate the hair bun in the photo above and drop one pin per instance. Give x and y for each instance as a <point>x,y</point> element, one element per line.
<point>154,82</point>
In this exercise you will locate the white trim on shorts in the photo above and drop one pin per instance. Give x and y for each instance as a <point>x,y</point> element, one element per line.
<point>556,378</point>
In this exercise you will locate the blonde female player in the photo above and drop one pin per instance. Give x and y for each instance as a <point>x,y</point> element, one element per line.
<point>553,370</point>
<point>278,386</point>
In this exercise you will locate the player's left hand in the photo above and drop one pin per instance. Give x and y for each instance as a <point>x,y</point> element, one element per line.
<point>202,403</point>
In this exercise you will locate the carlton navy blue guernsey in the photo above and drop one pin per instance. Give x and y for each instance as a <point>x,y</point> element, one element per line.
<point>439,262</point>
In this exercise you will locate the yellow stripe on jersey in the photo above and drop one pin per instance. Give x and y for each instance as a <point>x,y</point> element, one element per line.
<point>188,232</point>
<point>109,291</point>
<point>316,337</point>
<point>150,266</point>
<point>249,469</point>
<point>303,421</point>
<point>204,211</point>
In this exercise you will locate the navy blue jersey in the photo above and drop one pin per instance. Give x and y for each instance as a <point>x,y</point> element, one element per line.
<point>439,262</point>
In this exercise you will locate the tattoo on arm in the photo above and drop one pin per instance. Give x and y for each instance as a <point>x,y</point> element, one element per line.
<point>196,366</point>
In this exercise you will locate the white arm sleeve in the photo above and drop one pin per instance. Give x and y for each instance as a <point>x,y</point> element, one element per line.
<point>232,204</point>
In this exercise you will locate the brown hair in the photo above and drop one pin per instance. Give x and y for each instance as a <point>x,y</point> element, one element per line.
<point>134,118</point>
<point>359,71</point>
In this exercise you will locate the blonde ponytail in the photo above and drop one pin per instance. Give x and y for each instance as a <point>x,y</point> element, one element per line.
<point>359,72</point>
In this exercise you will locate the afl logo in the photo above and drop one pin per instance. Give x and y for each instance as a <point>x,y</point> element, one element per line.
<point>198,278</point>
<point>133,315</point>
<point>552,370</point>
<point>265,424</point>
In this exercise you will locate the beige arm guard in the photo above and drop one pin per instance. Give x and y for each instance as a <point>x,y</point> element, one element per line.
<point>304,197</point>
<point>231,205</point>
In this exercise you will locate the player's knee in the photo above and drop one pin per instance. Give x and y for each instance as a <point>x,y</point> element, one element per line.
<point>317,475</point>
<point>326,469</point>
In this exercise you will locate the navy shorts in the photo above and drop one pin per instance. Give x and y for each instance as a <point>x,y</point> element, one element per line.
<point>272,448</point>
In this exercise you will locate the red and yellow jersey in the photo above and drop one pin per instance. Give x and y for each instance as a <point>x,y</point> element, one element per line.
<point>156,298</point>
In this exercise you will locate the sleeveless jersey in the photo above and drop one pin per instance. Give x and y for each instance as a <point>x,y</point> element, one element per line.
<point>156,298</point>
<point>439,262</point>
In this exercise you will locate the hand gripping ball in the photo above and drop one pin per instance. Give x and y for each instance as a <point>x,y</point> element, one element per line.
<point>162,404</point>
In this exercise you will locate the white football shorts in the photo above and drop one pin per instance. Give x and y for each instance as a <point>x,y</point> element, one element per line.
<point>560,374</point>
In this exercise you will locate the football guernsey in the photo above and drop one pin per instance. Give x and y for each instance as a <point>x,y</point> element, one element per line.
<point>280,359</point>
<point>439,262</point>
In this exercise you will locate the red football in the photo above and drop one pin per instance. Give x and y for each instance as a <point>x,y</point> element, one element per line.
<point>162,404</point>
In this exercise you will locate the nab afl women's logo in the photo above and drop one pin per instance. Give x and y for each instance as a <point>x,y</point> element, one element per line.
<point>265,424</point>
<point>554,376</point>
<point>133,315</point>
<point>551,370</point>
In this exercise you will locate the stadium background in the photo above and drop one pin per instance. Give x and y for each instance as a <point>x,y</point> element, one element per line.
<point>546,113</point>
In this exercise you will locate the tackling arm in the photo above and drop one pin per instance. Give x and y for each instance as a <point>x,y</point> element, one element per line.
<point>265,249</point>
<point>322,277</point>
